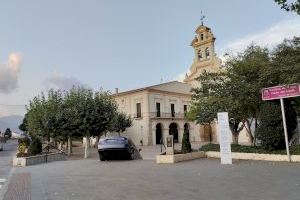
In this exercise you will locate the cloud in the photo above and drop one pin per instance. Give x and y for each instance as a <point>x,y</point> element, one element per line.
<point>269,37</point>
<point>59,81</point>
<point>9,73</point>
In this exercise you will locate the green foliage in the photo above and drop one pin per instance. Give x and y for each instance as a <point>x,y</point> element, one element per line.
<point>35,146</point>
<point>22,148</point>
<point>236,88</point>
<point>25,141</point>
<point>293,6</point>
<point>7,133</point>
<point>270,129</point>
<point>121,122</point>
<point>186,144</point>
<point>77,112</point>
<point>294,150</point>
<point>23,125</point>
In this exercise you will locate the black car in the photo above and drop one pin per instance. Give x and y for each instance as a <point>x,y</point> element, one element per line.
<point>116,147</point>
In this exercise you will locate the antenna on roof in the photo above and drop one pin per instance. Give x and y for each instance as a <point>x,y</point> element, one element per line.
<point>202,18</point>
<point>161,80</point>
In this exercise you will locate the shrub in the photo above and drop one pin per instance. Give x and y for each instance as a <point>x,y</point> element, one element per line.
<point>25,141</point>
<point>23,145</point>
<point>186,145</point>
<point>270,129</point>
<point>294,150</point>
<point>22,148</point>
<point>35,147</point>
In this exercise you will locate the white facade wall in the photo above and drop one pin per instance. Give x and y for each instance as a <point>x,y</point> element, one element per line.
<point>144,128</point>
<point>140,128</point>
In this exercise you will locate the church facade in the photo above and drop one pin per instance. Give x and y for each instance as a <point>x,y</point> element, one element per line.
<point>159,110</point>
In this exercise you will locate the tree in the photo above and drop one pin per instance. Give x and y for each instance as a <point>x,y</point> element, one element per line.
<point>7,133</point>
<point>121,122</point>
<point>293,6</point>
<point>44,115</point>
<point>234,90</point>
<point>186,144</point>
<point>61,115</point>
<point>23,125</point>
<point>270,129</point>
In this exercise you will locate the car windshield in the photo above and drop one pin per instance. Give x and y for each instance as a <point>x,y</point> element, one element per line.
<point>114,141</point>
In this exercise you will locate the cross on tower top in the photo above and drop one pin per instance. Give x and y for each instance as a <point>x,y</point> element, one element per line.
<point>202,18</point>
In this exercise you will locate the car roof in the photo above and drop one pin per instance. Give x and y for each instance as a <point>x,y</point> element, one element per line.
<point>115,138</point>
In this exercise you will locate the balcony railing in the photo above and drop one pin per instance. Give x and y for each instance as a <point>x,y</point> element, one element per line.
<point>166,115</point>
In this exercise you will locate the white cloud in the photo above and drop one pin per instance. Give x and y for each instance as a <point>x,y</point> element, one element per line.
<point>269,37</point>
<point>59,81</point>
<point>9,73</point>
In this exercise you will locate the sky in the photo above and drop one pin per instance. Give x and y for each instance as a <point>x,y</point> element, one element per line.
<point>120,44</point>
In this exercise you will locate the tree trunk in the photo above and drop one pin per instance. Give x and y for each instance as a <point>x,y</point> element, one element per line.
<point>69,145</point>
<point>254,138</point>
<point>97,141</point>
<point>248,128</point>
<point>86,147</point>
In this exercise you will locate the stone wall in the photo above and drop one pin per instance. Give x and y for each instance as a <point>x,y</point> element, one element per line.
<point>34,160</point>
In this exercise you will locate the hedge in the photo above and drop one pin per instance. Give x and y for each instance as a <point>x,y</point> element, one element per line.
<point>294,150</point>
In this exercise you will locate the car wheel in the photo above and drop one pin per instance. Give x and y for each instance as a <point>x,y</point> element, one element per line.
<point>131,155</point>
<point>101,157</point>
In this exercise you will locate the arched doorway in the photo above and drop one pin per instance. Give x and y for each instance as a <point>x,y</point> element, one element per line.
<point>173,130</point>
<point>187,129</point>
<point>158,133</point>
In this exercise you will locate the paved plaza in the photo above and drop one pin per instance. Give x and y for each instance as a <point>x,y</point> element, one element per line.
<point>143,179</point>
<point>6,164</point>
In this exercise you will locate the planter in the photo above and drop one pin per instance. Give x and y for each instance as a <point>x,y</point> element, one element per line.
<point>255,156</point>
<point>179,157</point>
<point>34,160</point>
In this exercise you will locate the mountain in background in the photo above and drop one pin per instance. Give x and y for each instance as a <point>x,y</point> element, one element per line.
<point>12,122</point>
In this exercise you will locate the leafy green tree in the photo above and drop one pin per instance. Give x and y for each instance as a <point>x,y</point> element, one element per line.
<point>234,90</point>
<point>8,133</point>
<point>23,125</point>
<point>293,6</point>
<point>121,123</point>
<point>105,113</point>
<point>43,116</point>
<point>35,146</point>
<point>270,130</point>
<point>78,112</point>
<point>186,144</point>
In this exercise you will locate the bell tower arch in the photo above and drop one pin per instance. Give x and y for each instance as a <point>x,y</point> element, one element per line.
<point>204,54</point>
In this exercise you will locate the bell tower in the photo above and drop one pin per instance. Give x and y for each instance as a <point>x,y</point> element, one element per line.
<point>204,54</point>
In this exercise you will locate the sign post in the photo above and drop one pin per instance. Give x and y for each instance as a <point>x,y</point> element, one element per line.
<point>281,92</point>
<point>224,138</point>
<point>285,131</point>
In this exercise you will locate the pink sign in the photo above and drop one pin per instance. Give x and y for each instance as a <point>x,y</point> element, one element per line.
<point>281,91</point>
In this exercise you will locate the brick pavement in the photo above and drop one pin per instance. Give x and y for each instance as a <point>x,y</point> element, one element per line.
<point>19,187</point>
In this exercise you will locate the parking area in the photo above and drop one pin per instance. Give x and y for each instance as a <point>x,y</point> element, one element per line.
<point>143,179</point>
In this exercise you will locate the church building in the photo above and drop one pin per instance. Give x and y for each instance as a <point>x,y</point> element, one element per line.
<point>159,110</point>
